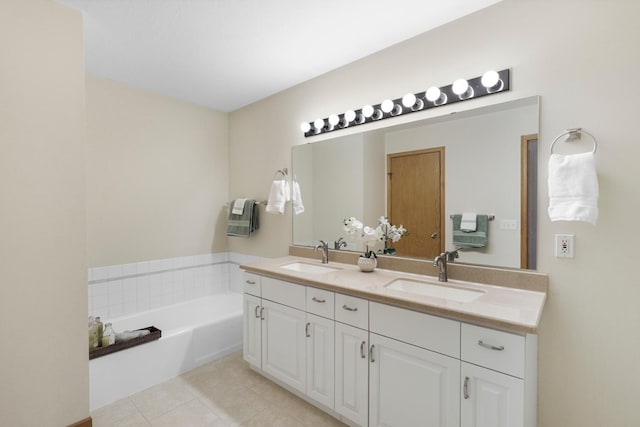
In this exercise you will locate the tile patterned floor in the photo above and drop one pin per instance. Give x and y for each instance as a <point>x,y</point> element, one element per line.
<point>223,393</point>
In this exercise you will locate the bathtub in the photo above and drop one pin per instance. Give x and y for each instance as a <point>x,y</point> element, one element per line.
<point>193,333</point>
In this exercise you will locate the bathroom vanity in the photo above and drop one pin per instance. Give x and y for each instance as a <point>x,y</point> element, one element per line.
<point>377,349</point>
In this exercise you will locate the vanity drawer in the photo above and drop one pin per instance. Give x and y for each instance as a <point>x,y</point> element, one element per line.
<point>251,284</point>
<point>420,329</point>
<point>352,311</point>
<point>283,292</point>
<point>497,350</point>
<point>320,302</point>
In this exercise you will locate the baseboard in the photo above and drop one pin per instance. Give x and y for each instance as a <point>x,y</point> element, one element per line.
<point>87,422</point>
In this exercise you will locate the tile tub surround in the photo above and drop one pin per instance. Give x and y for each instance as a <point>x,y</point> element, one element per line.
<point>124,289</point>
<point>503,306</point>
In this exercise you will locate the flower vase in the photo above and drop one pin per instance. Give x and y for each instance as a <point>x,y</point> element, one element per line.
<point>367,264</point>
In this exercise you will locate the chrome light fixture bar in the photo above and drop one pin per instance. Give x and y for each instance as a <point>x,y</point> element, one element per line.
<point>489,83</point>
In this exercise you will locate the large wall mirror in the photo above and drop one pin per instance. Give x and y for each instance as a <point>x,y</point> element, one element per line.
<point>420,174</point>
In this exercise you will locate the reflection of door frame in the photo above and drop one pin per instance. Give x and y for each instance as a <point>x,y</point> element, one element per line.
<point>439,150</point>
<point>525,185</point>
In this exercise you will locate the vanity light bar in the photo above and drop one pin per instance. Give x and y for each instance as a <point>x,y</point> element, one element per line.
<point>489,83</point>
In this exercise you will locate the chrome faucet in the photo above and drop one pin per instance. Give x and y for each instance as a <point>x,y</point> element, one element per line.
<point>340,243</point>
<point>441,262</point>
<point>325,251</point>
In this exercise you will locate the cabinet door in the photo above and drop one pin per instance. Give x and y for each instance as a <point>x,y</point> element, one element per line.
<point>320,359</point>
<point>411,386</point>
<point>252,333</point>
<point>352,373</point>
<point>490,399</point>
<point>283,344</point>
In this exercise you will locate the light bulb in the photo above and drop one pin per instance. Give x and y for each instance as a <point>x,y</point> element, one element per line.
<point>460,86</point>
<point>349,116</point>
<point>433,94</point>
<point>490,79</point>
<point>387,105</point>
<point>409,100</point>
<point>318,124</point>
<point>305,127</point>
<point>334,120</point>
<point>367,111</point>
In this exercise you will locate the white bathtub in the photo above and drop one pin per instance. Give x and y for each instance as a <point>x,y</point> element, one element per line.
<point>193,333</point>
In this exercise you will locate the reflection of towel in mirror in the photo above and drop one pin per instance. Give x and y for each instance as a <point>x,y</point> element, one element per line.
<point>296,199</point>
<point>573,188</point>
<point>473,239</point>
<point>278,196</point>
<point>246,223</point>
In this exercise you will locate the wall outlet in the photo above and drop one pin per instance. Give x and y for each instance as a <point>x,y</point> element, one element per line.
<point>564,245</point>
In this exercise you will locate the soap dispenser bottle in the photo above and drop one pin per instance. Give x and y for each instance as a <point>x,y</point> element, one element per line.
<point>100,328</point>
<point>108,336</point>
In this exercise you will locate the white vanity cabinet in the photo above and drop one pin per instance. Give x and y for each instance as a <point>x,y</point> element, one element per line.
<point>283,340</point>
<point>414,368</point>
<point>352,359</point>
<point>498,378</point>
<point>374,364</point>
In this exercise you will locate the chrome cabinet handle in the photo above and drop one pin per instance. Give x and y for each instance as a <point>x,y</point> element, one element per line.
<point>261,313</point>
<point>306,329</point>
<point>350,308</point>
<point>490,347</point>
<point>371,353</point>
<point>318,299</point>
<point>465,389</point>
<point>250,282</point>
<point>363,352</point>
<point>256,311</point>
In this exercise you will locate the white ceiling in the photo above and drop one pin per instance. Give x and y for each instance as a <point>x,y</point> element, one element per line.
<point>226,54</point>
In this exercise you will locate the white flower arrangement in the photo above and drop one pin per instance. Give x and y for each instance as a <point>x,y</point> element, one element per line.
<point>374,239</point>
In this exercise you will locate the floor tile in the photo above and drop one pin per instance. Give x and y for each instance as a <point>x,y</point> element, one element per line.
<point>223,393</point>
<point>162,398</point>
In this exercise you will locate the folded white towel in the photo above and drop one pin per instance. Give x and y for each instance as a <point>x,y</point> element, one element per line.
<point>573,188</point>
<point>469,222</point>
<point>296,199</point>
<point>238,206</point>
<point>278,196</point>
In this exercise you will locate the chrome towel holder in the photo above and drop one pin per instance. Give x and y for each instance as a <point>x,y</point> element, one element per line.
<point>574,134</point>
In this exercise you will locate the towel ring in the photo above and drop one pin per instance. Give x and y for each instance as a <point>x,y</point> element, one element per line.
<point>573,135</point>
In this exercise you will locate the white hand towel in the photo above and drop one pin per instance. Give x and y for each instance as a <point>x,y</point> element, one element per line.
<point>573,188</point>
<point>238,206</point>
<point>278,197</point>
<point>296,198</point>
<point>469,222</point>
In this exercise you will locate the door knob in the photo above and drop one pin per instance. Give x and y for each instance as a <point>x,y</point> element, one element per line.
<point>434,234</point>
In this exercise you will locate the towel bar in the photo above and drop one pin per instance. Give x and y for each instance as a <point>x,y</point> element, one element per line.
<point>489,217</point>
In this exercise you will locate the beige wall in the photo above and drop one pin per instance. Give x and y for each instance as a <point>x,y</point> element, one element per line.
<point>574,54</point>
<point>156,176</point>
<point>44,375</point>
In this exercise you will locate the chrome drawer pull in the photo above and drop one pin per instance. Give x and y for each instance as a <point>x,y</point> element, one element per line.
<point>465,389</point>
<point>306,329</point>
<point>349,308</point>
<point>363,353</point>
<point>250,282</point>
<point>490,347</point>
<point>256,311</point>
<point>318,299</point>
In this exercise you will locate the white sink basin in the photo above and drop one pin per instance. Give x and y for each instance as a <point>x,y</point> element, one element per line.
<point>303,267</point>
<point>447,291</point>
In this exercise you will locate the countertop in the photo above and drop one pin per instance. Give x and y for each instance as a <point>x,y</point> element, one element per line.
<point>502,307</point>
